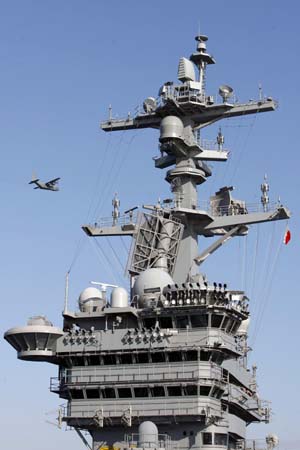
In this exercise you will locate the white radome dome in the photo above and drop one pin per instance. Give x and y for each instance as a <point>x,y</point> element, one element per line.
<point>119,297</point>
<point>91,299</point>
<point>150,279</point>
<point>89,294</point>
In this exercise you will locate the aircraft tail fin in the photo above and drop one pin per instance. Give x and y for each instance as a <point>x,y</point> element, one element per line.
<point>34,178</point>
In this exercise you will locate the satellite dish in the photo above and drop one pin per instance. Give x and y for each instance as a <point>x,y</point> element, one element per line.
<point>225,92</point>
<point>149,105</point>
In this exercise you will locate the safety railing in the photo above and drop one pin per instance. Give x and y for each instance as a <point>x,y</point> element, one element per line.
<point>237,207</point>
<point>168,374</point>
<point>125,219</point>
<point>139,408</point>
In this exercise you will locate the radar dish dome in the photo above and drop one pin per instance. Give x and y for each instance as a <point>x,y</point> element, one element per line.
<point>91,299</point>
<point>90,293</point>
<point>151,279</point>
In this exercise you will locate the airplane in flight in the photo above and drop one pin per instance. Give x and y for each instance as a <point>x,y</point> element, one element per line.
<point>48,186</point>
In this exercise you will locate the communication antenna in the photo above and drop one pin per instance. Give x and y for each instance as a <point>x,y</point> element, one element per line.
<point>103,286</point>
<point>116,212</point>
<point>66,293</point>
<point>220,139</point>
<point>264,197</point>
<point>260,92</point>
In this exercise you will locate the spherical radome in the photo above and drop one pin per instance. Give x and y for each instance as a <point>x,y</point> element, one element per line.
<point>150,279</point>
<point>148,434</point>
<point>90,293</point>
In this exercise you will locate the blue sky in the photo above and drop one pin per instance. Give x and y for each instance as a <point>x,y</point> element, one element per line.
<point>62,64</point>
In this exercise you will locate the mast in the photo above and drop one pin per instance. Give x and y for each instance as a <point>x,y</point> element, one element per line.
<point>180,112</point>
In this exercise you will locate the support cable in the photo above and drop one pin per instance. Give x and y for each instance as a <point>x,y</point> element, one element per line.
<point>78,248</point>
<point>103,258</point>
<point>114,176</point>
<point>269,289</point>
<point>115,254</point>
<point>108,177</point>
<point>254,269</point>
<point>265,276</point>
<point>241,153</point>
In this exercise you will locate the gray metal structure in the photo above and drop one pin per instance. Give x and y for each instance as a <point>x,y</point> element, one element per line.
<point>164,366</point>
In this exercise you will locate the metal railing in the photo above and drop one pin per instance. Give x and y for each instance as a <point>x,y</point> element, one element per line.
<point>237,208</point>
<point>125,219</point>
<point>206,377</point>
<point>147,408</point>
<point>255,444</point>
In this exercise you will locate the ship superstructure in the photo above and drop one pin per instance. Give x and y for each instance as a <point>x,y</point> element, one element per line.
<point>164,365</point>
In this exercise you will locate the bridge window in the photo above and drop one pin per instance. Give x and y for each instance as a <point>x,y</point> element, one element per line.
<point>216,320</point>
<point>150,322</point>
<point>165,322</point>
<point>216,392</point>
<point>224,323</point>
<point>142,358</point>
<point>204,356</point>
<point>191,355</point>
<point>141,392</point>
<point>207,438</point>
<point>124,393</point>
<point>94,360</point>
<point>205,390</point>
<point>182,321</point>
<point>233,327</point>
<point>76,394</point>
<point>221,439</point>
<point>158,357</point>
<point>157,391</point>
<point>125,358</point>
<point>190,390</point>
<point>199,321</point>
<point>92,393</point>
<point>229,325</point>
<point>108,393</point>
<point>175,356</point>
<point>78,361</point>
<point>109,360</point>
<point>174,391</point>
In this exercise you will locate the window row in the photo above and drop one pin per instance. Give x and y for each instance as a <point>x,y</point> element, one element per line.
<point>228,324</point>
<point>146,391</point>
<point>146,358</point>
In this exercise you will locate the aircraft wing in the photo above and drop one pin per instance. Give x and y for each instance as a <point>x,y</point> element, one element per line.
<point>52,183</point>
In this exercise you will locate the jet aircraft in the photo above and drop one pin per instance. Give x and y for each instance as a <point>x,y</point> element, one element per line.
<point>48,186</point>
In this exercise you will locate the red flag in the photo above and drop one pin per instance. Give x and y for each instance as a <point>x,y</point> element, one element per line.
<point>287,237</point>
